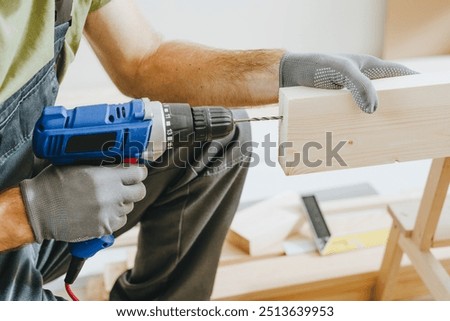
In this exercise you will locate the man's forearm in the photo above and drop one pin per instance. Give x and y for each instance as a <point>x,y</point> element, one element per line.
<point>184,72</point>
<point>15,230</point>
<point>142,65</point>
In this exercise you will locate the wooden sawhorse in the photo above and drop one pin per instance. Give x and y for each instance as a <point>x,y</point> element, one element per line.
<point>415,234</point>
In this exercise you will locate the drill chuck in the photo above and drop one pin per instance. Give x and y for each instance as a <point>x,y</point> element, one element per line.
<point>181,125</point>
<point>212,122</point>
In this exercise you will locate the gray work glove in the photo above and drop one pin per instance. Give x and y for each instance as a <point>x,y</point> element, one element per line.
<point>76,203</point>
<point>338,71</point>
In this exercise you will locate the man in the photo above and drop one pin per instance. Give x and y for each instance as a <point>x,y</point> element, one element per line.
<point>183,211</point>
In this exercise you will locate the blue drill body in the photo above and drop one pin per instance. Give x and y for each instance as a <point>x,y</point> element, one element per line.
<point>91,133</point>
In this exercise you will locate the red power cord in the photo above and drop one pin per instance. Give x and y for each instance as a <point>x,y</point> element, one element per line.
<point>70,292</point>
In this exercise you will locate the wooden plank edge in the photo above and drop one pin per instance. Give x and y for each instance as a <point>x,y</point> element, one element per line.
<point>353,287</point>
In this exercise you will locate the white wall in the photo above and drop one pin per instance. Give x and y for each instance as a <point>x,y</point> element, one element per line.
<point>297,25</point>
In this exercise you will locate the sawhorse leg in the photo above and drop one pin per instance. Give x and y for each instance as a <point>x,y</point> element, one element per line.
<point>384,289</point>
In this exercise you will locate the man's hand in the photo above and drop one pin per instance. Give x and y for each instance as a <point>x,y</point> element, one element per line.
<point>75,203</point>
<point>353,72</point>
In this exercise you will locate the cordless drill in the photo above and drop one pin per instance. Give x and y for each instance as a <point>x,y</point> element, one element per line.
<point>135,131</point>
<point>138,130</point>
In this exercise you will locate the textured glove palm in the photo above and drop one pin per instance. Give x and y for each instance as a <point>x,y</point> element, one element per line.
<point>75,203</point>
<point>338,71</point>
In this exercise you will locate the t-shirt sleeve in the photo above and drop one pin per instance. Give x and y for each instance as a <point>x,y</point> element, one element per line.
<point>97,4</point>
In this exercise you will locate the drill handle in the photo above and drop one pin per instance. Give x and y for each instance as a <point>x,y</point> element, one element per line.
<point>88,248</point>
<point>83,250</point>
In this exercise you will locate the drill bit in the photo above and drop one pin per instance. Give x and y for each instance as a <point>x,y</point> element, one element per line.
<point>242,120</point>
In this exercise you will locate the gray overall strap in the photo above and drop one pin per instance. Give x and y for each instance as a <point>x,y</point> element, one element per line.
<point>23,271</point>
<point>63,10</point>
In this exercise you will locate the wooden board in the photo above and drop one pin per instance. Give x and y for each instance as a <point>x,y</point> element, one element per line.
<point>345,276</point>
<point>405,213</point>
<point>416,28</point>
<point>261,228</point>
<point>411,123</point>
<point>95,289</point>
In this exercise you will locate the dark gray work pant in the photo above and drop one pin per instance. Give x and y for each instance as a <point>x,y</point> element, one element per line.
<point>192,195</point>
<point>184,220</point>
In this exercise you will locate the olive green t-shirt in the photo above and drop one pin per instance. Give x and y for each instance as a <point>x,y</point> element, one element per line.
<point>27,35</point>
